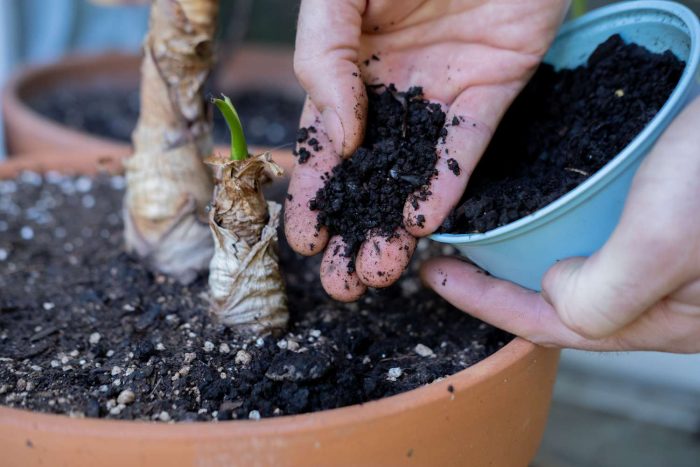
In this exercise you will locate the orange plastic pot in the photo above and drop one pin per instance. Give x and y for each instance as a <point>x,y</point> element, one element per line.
<point>28,132</point>
<point>491,414</point>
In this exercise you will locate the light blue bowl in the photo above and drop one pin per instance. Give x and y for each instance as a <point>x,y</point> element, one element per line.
<point>579,223</point>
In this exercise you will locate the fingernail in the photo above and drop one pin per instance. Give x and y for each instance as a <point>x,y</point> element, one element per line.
<point>334,129</point>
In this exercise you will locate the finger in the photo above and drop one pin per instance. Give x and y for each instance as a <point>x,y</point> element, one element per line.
<point>669,326</point>
<point>580,298</point>
<point>300,222</point>
<point>470,124</point>
<point>325,62</point>
<point>599,296</point>
<point>335,278</point>
<point>594,297</point>
<point>381,260</point>
<point>690,294</point>
<point>500,303</point>
<point>382,15</point>
<point>507,306</point>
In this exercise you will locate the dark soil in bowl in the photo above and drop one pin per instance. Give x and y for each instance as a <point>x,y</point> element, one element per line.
<point>564,126</point>
<point>86,330</point>
<point>368,191</point>
<point>270,117</point>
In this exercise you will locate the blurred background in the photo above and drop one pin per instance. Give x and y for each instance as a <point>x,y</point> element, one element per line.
<point>628,409</point>
<point>39,33</point>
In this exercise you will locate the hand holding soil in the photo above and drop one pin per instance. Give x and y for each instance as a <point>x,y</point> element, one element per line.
<point>471,57</point>
<point>641,291</point>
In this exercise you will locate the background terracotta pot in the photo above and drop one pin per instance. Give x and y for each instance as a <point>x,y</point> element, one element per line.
<point>28,132</point>
<point>493,413</point>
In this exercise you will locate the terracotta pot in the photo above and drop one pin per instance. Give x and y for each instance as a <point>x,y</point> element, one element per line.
<point>493,413</point>
<point>28,132</point>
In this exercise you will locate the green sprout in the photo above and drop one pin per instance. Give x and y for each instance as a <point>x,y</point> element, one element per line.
<point>239,147</point>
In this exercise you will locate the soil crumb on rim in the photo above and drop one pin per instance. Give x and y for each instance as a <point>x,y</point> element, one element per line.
<point>368,191</point>
<point>85,330</point>
<point>562,128</point>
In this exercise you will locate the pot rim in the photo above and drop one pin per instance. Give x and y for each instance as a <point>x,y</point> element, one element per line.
<point>500,361</point>
<point>275,61</point>
<point>624,158</point>
<point>23,77</point>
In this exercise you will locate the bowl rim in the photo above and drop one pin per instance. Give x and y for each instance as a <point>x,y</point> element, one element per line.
<point>624,158</point>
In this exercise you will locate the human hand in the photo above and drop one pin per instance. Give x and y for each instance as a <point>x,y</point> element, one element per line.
<point>471,56</point>
<point>641,291</point>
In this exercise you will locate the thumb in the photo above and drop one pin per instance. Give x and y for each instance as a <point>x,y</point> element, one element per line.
<point>325,62</point>
<point>600,295</point>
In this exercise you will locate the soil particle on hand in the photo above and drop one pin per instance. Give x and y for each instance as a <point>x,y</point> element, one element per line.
<point>562,128</point>
<point>453,165</point>
<point>303,137</point>
<point>160,356</point>
<point>367,192</point>
<point>303,155</point>
<point>313,142</point>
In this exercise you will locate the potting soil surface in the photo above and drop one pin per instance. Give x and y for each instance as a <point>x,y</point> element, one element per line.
<point>86,330</point>
<point>565,125</point>
<point>270,118</point>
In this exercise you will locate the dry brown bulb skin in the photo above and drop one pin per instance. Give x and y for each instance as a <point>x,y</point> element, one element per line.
<point>168,186</point>
<point>245,282</point>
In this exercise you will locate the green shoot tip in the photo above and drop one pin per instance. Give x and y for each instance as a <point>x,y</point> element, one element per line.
<point>239,147</point>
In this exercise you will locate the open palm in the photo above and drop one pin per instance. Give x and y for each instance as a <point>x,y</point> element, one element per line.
<point>471,56</point>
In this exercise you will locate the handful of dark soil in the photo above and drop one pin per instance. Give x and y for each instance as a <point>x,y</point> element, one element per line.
<point>565,125</point>
<point>367,191</point>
